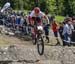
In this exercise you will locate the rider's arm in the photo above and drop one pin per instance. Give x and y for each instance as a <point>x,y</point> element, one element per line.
<point>31,22</point>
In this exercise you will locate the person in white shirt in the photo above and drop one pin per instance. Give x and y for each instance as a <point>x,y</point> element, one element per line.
<point>7,5</point>
<point>37,15</point>
<point>67,32</point>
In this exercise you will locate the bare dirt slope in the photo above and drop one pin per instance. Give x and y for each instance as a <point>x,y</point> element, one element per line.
<point>10,40</point>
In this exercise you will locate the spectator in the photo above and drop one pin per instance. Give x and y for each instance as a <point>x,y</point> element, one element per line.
<point>18,19</point>
<point>73,33</point>
<point>67,32</point>
<point>21,21</point>
<point>13,19</point>
<point>29,27</point>
<point>55,31</point>
<point>25,26</point>
<point>46,29</point>
<point>61,29</point>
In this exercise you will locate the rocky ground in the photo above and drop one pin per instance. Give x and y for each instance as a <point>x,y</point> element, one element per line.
<point>15,50</point>
<point>17,54</point>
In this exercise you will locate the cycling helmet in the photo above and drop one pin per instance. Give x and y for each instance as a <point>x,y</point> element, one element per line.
<point>36,9</point>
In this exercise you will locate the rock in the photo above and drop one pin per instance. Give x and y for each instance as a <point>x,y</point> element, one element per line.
<point>49,62</point>
<point>17,54</point>
<point>11,33</point>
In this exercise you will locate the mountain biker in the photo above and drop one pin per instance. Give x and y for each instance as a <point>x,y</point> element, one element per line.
<point>37,15</point>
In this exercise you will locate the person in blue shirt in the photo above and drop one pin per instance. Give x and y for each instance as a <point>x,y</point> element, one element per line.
<point>46,29</point>
<point>18,19</point>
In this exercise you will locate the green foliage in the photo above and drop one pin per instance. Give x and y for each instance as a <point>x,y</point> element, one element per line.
<point>58,7</point>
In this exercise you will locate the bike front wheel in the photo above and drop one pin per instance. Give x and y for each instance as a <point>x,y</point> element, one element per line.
<point>40,46</point>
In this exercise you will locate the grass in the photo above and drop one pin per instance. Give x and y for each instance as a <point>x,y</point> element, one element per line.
<point>60,18</point>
